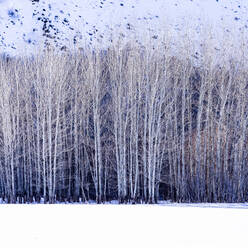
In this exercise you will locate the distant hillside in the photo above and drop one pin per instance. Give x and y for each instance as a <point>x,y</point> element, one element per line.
<point>28,25</point>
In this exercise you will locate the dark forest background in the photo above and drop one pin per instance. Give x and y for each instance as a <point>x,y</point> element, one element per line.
<point>128,123</point>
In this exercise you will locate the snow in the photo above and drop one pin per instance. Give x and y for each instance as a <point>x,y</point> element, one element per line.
<point>207,205</point>
<point>78,23</point>
<point>122,226</point>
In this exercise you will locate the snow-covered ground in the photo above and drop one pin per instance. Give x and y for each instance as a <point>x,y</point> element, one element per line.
<point>167,203</point>
<point>26,226</point>
<point>25,25</point>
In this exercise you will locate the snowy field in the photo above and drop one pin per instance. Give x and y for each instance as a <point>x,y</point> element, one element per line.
<point>170,226</point>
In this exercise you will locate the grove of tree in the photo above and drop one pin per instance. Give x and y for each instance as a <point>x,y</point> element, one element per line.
<point>130,123</point>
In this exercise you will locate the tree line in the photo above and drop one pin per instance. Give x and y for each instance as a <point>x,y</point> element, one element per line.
<point>127,123</point>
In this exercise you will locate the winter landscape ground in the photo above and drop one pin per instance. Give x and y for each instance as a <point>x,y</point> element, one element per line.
<point>121,226</point>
